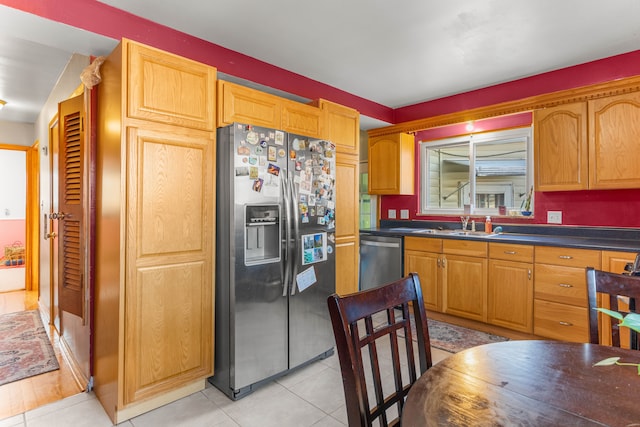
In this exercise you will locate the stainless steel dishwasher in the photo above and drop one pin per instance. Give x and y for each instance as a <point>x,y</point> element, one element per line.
<point>381,260</point>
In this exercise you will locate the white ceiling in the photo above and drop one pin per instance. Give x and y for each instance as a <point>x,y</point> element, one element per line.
<point>393,53</point>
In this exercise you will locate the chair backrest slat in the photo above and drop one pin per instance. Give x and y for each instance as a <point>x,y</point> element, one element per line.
<point>622,291</point>
<point>377,333</point>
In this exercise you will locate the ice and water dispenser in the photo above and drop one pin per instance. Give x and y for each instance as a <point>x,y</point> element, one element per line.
<point>261,234</point>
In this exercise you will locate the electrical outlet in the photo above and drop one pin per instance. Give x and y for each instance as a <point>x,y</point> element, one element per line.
<point>392,214</point>
<point>554,217</point>
<point>404,213</point>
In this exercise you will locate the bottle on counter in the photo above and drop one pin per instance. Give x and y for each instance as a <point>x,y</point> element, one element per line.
<point>487,224</point>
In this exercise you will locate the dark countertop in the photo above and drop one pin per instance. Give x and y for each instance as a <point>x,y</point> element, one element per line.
<point>599,238</point>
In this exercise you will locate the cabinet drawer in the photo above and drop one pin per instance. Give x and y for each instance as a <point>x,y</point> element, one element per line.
<point>510,252</point>
<point>567,285</point>
<point>464,247</point>
<point>560,321</point>
<point>424,244</point>
<point>567,256</point>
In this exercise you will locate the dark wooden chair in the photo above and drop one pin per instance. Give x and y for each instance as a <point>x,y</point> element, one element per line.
<point>622,291</point>
<point>378,347</point>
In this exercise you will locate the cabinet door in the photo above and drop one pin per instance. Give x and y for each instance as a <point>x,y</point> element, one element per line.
<point>245,105</point>
<point>560,143</point>
<point>391,164</point>
<point>427,265</point>
<point>614,262</point>
<point>464,286</point>
<point>168,297</point>
<point>347,224</point>
<point>613,143</point>
<point>301,119</point>
<point>166,88</point>
<point>510,295</point>
<point>346,266</point>
<point>341,126</point>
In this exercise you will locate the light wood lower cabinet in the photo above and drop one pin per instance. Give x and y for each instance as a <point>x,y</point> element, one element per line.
<point>510,286</point>
<point>560,304</point>
<point>347,222</point>
<point>464,279</point>
<point>531,289</point>
<point>424,256</point>
<point>614,262</point>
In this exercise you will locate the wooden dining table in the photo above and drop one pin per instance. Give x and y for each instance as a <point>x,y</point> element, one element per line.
<point>527,383</point>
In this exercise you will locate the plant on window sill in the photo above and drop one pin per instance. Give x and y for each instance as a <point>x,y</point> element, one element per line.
<point>631,321</point>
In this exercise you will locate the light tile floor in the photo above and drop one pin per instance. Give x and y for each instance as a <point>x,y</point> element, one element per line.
<point>312,396</point>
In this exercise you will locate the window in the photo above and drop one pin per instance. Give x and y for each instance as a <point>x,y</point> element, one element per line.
<point>478,173</point>
<point>368,203</point>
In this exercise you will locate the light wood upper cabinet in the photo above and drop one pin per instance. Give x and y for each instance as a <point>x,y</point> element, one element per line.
<point>170,89</point>
<point>241,104</point>
<point>301,119</point>
<point>588,145</point>
<point>391,164</point>
<point>561,155</point>
<point>155,218</point>
<point>613,141</point>
<point>341,126</point>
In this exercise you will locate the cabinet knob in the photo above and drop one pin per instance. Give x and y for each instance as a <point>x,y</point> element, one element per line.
<point>563,323</point>
<point>565,257</point>
<point>565,285</point>
<point>510,252</point>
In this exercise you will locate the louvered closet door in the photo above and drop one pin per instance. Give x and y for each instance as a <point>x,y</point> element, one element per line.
<point>71,201</point>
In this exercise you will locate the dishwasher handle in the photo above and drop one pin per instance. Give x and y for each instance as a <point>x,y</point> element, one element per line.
<point>379,244</point>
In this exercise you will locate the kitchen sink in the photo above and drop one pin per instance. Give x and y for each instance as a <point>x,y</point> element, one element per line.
<point>454,232</point>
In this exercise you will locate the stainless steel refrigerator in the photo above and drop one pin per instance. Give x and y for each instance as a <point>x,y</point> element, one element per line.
<point>275,255</point>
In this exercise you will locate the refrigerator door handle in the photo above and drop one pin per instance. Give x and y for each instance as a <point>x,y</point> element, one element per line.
<point>296,233</point>
<point>287,234</point>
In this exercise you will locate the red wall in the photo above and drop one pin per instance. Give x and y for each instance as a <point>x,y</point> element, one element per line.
<point>612,208</point>
<point>11,231</point>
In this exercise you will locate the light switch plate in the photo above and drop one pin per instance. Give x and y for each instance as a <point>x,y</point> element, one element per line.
<point>554,217</point>
<point>392,214</point>
<point>404,213</point>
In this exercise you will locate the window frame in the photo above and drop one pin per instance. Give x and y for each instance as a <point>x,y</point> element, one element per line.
<point>473,140</point>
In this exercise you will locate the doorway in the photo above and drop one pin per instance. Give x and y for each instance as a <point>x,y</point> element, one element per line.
<point>13,217</point>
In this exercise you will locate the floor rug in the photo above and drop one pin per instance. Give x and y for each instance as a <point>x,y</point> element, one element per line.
<point>453,338</point>
<point>25,349</point>
<point>446,336</point>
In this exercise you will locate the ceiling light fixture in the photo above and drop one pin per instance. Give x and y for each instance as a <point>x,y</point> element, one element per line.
<point>2,103</point>
<point>470,127</point>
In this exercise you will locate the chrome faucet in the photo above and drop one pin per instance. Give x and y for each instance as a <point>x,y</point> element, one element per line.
<point>465,221</point>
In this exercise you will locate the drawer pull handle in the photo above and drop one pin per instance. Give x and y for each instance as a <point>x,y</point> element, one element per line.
<point>563,323</point>
<point>510,252</point>
<point>565,285</point>
<point>565,257</point>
